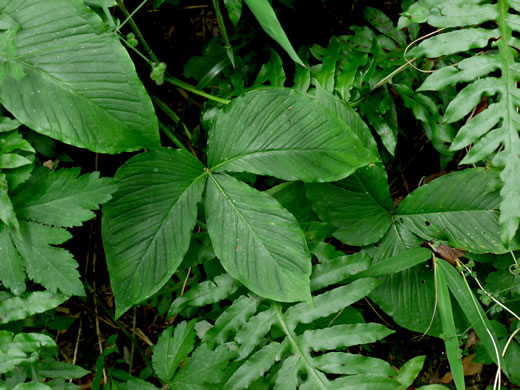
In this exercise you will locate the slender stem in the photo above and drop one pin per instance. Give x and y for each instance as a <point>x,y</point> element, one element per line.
<point>220,20</point>
<point>135,29</point>
<point>188,87</point>
<point>172,114</point>
<point>171,136</point>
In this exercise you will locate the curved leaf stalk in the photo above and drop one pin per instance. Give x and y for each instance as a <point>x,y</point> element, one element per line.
<point>135,29</point>
<point>299,349</point>
<point>222,25</point>
<point>188,87</point>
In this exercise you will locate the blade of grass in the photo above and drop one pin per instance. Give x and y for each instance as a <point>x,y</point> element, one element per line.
<point>448,327</point>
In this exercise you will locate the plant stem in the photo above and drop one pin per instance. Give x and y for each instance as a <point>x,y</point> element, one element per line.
<point>172,136</point>
<point>135,29</point>
<point>188,87</point>
<point>172,114</point>
<point>222,25</point>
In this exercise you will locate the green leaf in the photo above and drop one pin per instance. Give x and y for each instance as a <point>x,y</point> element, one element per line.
<point>409,371</point>
<point>340,363</point>
<point>54,369</point>
<point>344,336</point>
<point>495,75</point>
<point>148,223</point>
<point>52,267</point>
<point>170,351</point>
<point>232,319</point>
<point>331,301</point>
<point>338,269</point>
<point>205,293</point>
<point>204,369</point>
<point>291,196</point>
<point>412,287</point>
<point>255,366</point>
<point>466,219</point>
<point>257,241</point>
<point>21,348</point>
<point>79,88</point>
<point>384,24</point>
<point>266,16</point>
<point>449,331</point>
<point>252,333</point>
<point>32,386</point>
<point>13,274</point>
<point>471,308</point>
<point>61,198</point>
<point>400,262</point>
<point>234,9</point>
<point>366,382</point>
<point>7,214</point>
<point>14,308</point>
<point>360,205</point>
<point>279,132</point>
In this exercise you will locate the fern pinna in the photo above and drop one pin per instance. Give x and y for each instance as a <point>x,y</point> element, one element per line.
<point>259,343</point>
<point>479,37</point>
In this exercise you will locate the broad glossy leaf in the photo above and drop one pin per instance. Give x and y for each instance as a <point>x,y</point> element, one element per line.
<point>14,308</point>
<point>172,347</point>
<point>80,88</point>
<point>147,225</point>
<point>52,267</point>
<point>400,262</point>
<point>63,197</point>
<point>257,241</point>
<point>266,16</point>
<point>360,205</point>
<point>279,132</point>
<point>461,208</point>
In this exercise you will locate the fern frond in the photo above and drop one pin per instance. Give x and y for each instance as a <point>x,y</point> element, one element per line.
<point>488,78</point>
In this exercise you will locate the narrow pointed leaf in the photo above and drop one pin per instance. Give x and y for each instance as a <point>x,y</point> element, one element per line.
<point>61,198</point>
<point>448,329</point>
<point>147,225</point>
<point>232,319</point>
<point>255,366</point>
<point>346,363</point>
<point>266,16</point>
<point>19,308</point>
<point>344,336</point>
<point>172,347</point>
<point>257,241</point>
<point>250,335</point>
<point>338,269</point>
<point>79,88</point>
<point>281,133</point>
<point>287,377</point>
<point>409,371</point>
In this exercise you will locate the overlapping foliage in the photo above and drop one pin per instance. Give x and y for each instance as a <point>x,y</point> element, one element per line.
<point>269,300</point>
